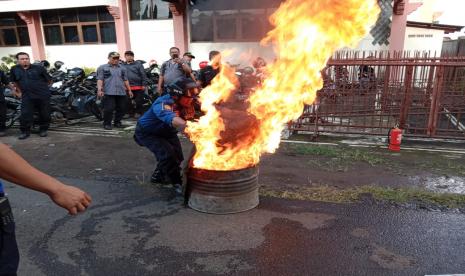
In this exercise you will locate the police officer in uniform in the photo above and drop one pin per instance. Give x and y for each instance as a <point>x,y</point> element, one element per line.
<point>171,70</point>
<point>32,85</point>
<point>207,74</point>
<point>3,82</point>
<point>137,80</point>
<point>157,130</point>
<point>16,170</point>
<point>113,85</point>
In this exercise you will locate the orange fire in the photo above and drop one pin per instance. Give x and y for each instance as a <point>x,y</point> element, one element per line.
<point>305,35</point>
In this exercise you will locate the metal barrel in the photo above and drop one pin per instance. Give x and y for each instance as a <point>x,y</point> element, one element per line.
<point>223,192</point>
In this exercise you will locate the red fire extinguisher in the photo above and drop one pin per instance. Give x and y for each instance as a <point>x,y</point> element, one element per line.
<point>395,138</point>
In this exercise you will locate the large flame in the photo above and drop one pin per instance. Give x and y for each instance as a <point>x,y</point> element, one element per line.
<point>305,35</point>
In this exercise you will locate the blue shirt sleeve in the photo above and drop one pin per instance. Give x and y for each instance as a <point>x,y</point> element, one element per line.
<point>2,192</point>
<point>143,74</point>
<point>100,73</point>
<point>163,109</point>
<point>163,68</point>
<point>124,73</point>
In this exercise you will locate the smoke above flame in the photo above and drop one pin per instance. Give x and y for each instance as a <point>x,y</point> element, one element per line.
<point>232,135</point>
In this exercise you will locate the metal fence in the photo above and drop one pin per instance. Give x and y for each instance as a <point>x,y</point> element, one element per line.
<point>370,94</point>
<point>454,47</point>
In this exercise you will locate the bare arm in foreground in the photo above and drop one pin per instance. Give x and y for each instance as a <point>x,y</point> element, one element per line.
<point>15,169</point>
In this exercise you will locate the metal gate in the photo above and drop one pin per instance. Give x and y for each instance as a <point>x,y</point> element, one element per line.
<point>370,94</point>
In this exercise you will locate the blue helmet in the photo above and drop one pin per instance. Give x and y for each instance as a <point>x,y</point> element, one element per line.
<point>179,86</point>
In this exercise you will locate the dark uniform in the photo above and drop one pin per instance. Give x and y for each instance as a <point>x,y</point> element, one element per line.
<point>3,82</point>
<point>137,79</point>
<point>115,99</point>
<point>9,254</point>
<point>207,74</point>
<point>155,132</point>
<point>34,84</point>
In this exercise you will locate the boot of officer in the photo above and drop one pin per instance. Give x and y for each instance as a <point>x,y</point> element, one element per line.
<point>158,177</point>
<point>157,130</point>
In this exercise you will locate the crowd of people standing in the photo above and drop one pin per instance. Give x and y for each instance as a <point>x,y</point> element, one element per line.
<point>117,81</point>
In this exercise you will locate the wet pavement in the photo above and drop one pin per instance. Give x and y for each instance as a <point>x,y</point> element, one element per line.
<point>134,228</point>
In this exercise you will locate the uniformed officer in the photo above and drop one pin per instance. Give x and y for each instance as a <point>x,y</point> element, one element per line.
<point>157,130</point>
<point>137,80</point>
<point>113,86</point>
<point>16,170</point>
<point>32,85</point>
<point>188,57</point>
<point>207,74</point>
<point>173,69</point>
<point>3,82</point>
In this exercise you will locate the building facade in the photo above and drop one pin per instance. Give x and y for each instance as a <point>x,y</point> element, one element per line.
<point>82,32</point>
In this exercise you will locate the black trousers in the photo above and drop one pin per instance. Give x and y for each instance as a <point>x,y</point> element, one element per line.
<point>139,101</point>
<point>29,107</point>
<point>167,151</point>
<point>9,253</point>
<point>114,104</point>
<point>2,111</point>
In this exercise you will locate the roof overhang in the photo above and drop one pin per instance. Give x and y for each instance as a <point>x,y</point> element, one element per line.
<point>34,5</point>
<point>446,28</point>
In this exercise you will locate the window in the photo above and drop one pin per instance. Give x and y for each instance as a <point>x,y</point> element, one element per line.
<point>103,14</point>
<point>202,27</point>
<point>52,35</point>
<point>88,15</point>
<point>23,34</point>
<point>231,21</point>
<point>68,16</point>
<point>13,31</point>
<point>50,17</point>
<point>78,26</point>
<point>226,28</point>
<point>9,37</point>
<point>149,10</point>
<point>259,20</point>
<point>107,32</point>
<point>71,34</point>
<point>89,33</point>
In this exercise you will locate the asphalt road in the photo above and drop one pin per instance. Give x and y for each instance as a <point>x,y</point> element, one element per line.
<point>134,228</point>
<point>137,229</point>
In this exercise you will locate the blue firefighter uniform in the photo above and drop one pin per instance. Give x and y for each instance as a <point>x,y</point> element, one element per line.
<point>155,131</point>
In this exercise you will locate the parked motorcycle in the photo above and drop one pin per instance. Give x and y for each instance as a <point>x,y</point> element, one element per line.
<point>73,97</point>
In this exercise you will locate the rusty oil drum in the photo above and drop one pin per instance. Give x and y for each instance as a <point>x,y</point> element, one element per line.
<point>223,192</point>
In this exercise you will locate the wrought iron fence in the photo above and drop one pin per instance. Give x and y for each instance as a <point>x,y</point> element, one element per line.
<point>370,94</point>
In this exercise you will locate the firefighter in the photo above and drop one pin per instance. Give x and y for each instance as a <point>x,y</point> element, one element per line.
<point>157,130</point>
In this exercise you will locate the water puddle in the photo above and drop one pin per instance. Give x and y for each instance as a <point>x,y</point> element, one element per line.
<point>442,184</point>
